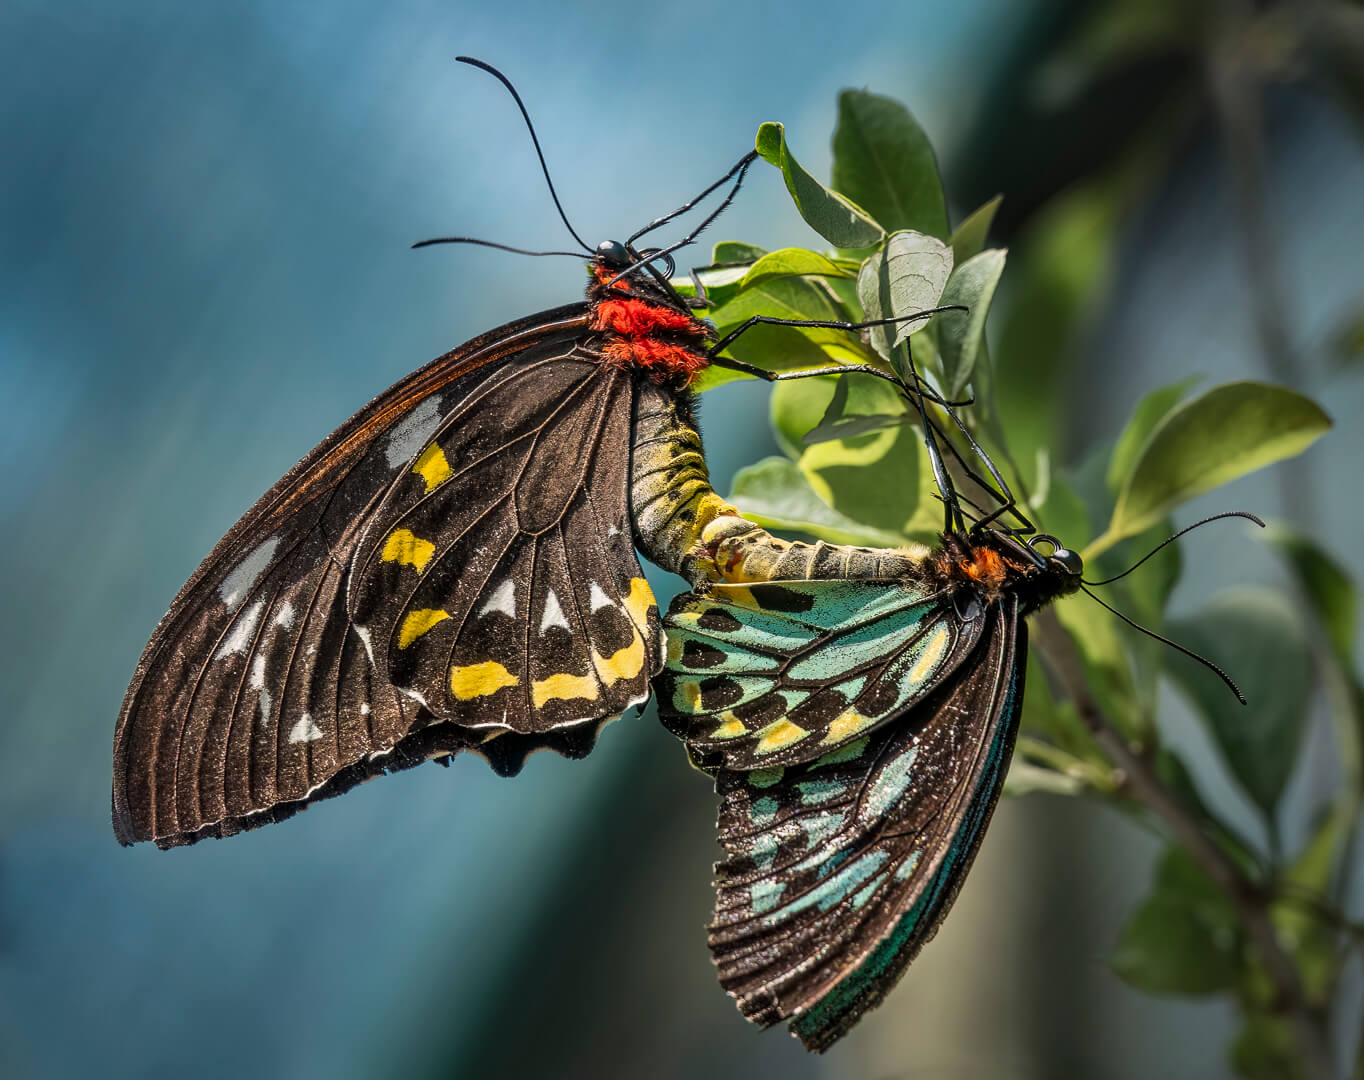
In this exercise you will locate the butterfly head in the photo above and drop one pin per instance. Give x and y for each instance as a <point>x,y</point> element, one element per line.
<point>991,562</point>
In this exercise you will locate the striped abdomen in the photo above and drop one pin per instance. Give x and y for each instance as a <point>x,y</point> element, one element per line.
<point>685,527</point>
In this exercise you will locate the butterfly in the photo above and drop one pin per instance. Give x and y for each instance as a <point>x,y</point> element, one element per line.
<point>452,569</point>
<point>859,733</point>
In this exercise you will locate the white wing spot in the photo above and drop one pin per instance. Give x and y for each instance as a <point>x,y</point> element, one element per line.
<point>413,694</point>
<point>239,581</point>
<point>364,708</point>
<point>613,531</point>
<point>305,730</point>
<point>266,701</point>
<point>411,434</point>
<point>598,598</point>
<point>554,614</point>
<point>362,632</point>
<point>503,599</point>
<point>285,617</point>
<point>258,671</point>
<point>243,632</point>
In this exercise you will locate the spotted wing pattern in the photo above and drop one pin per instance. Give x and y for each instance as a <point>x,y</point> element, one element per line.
<point>776,673</point>
<point>497,586</point>
<point>838,870</point>
<point>256,694</point>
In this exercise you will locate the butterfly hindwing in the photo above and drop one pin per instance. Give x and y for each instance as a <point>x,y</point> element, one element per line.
<point>256,693</point>
<point>774,673</point>
<point>838,870</point>
<point>498,583</point>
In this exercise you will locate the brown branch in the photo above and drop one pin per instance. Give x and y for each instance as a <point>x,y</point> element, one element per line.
<point>1143,784</point>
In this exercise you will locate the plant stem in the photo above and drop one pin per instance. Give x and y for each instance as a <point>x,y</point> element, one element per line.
<point>1143,784</point>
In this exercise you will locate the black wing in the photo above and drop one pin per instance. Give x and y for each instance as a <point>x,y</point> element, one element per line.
<point>838,871</point>
<point>498,586</point>
<point>256,694</point>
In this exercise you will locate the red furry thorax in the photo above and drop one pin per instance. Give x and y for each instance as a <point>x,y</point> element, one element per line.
<point>661,342</point>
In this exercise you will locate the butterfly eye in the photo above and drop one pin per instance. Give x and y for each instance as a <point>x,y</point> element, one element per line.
<point>613,253</point>
<point>1070,561</point>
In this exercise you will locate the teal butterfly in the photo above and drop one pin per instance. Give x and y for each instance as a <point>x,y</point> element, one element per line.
<point>859,733</point>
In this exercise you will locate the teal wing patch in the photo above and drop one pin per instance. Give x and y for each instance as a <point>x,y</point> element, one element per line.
<point>776,673</point>
<point>838,870</point>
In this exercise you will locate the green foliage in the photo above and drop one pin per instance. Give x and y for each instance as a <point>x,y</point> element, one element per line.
<point>1207,442</point>
<point>835,217</point>
<point>1185,938</point>
<point>856,470</point>
<point>961,335</point>
<point>883,161</point>
<point>904,277</point>
<point>1255,632</point>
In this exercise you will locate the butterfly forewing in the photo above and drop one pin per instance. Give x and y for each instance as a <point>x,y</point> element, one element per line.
<point>839,869</point>
<point>256,691</point>
<point>776,673</point>
<point>497,582</point>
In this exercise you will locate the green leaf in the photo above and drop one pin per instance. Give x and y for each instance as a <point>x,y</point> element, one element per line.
<point>1176,776</point>
<point>1024,779</point>
<point>882,480</point>
<point>1266,1049</point>
<point>1225,433</point>
<point>859,405</point>
<point>776,495</point>
<point>786,298</point>
<point>726,252</point>
<point>796,407</point>
<point>784,348</point>
<point>885,163</point>
<point>969,239</point>
<point>904,277</point>
<point>1107,669</point>
<point>1185,936</point>
<point>833,216</point>
<point>794,262</point>
<point>730,261</point>
<point>1324,582</point>
<point>1149,412</point>
<point>1307,937</point>
<point>961,334</point>
<point>1059,272</point>
<point>1255,635</point>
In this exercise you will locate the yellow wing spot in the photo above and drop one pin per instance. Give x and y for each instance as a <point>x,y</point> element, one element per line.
<point>624,664</point>
<point>775,736</point>
<point>638,603</point>
<point>674,642</point>
<point>846,725</point>
<point>407,549</point>
<point>563,688</point>
<point>419,622</point>
<point>932,655</point>
<point>690,690</point>
<point>480,680</point>
<point>432,467</point>
<point>732,728</point>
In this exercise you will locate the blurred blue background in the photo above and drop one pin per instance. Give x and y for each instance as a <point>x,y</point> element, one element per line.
<point>207,210</point>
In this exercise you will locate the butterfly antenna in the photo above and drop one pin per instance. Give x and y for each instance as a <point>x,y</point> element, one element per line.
<point>1172,539</point>
<point>653,254</point>
<point>544,168</point>
<point>1173,644</point>
<point>740,166</point>
<point>491,244</point>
